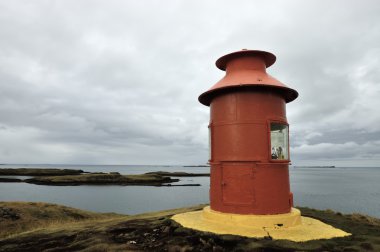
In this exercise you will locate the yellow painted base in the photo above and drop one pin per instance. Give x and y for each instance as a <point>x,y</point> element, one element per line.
<point>291,226</point>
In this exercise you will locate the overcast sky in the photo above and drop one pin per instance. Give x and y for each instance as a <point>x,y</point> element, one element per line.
<point>117,82</point>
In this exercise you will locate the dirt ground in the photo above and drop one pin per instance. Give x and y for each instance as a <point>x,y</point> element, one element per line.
<point>157,232</point>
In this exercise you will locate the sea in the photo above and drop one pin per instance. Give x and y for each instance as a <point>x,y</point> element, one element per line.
<point>341,189</point>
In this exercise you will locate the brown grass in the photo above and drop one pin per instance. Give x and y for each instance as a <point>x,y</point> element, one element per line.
<point>365,219</point>
<point>29,216</point>
<point>88,231</point>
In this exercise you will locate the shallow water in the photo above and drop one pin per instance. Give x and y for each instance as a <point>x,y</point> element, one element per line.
<point>341,189</point>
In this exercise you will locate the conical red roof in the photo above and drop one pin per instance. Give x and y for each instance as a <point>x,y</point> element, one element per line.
<point>247,69</point>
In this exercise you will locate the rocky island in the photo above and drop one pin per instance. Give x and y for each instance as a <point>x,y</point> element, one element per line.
<point>101,179</point>
<point>179,174</point>
<point>38,172</point>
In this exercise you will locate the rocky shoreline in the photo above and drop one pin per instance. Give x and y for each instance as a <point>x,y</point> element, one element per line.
<point>179,174</point>
<point>27,226</point>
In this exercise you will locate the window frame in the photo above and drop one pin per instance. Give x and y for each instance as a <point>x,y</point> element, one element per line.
<point>270,142</point>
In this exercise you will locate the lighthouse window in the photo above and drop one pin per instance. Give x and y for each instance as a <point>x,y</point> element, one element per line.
<point>279,135</point>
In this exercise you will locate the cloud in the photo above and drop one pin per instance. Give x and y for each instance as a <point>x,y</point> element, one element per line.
<point>117,82</point>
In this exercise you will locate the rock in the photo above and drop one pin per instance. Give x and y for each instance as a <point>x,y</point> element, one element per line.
<point>178,174</point>
<point>8,213</point>
<point>366,246</point>
<point>217,249</point>
<point>177,248</point>
<point>38,172</point>
<point>166,230</point>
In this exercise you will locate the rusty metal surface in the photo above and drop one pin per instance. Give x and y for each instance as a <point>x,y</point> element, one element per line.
<point>244,177</point>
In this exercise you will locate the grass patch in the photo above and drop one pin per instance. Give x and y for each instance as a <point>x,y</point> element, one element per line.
<point>18,217</point>
<point>87,231</point>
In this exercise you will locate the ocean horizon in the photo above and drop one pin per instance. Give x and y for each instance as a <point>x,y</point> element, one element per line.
<point>341,189</point>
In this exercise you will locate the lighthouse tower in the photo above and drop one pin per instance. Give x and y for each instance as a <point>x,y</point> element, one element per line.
<point>249,136</point>
<point>249,156</point>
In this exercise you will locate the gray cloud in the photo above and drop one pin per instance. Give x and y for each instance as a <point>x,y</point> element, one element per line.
<point>117,82</point>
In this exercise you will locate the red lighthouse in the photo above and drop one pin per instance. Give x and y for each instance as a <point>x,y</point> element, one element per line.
<point>249,136</point>
<point>249,156</point>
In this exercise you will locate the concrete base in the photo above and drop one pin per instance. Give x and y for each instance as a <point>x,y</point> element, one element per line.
<point>291,226</point>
